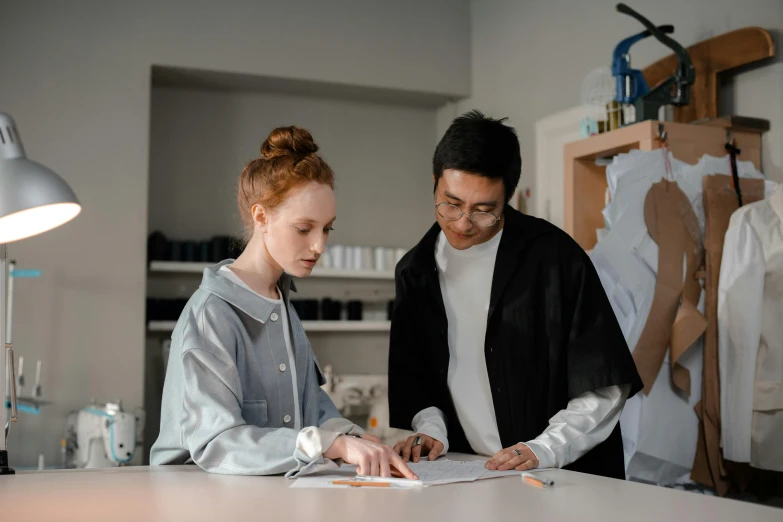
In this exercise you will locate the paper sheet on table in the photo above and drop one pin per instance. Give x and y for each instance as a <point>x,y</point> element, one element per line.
<point>442,471</point>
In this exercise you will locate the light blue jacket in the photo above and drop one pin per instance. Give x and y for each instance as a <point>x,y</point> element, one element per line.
<point>228,401</point>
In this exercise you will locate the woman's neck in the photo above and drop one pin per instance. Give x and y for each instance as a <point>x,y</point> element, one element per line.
<point>257,268</point>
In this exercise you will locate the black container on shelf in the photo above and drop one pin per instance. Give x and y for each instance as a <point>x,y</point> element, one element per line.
<point>354,310</point>
<point>220,247</point>
<point>205,252</point>
<point>177,252</point>
<point>331,309</point>
<point>158,247</point>
<point>306,309</point>
<point>164,309</point>
<point>152,312</point>
<point>190,251</point>
<point>235,248</point>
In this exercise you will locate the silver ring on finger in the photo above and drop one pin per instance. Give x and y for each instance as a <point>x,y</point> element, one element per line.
<point>416,441</point>
<point>519,453</point>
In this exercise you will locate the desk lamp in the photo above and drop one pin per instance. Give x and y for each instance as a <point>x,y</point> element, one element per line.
<point>33,199</point>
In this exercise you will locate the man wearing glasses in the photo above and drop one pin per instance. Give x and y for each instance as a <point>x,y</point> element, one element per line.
<point>503,342</point>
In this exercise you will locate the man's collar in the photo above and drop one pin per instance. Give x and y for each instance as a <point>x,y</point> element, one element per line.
<point>518,229</point>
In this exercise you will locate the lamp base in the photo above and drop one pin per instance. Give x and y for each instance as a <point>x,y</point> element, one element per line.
<point>4,469</point>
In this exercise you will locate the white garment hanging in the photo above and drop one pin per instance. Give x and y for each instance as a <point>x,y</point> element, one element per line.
<point>750,335</point>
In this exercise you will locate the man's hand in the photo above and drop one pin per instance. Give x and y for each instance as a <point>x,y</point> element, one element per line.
<point>518,457</point>
<point>429,446</point>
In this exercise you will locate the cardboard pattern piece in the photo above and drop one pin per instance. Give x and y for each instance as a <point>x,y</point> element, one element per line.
<point>720,202</point>
<point>674,321</point>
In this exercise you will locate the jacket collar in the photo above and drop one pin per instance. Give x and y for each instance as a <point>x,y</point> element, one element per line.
<point>518,229</point>
<point>249,302</point>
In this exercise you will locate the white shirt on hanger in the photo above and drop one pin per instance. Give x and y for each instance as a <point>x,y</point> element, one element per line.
<point>750,335</point>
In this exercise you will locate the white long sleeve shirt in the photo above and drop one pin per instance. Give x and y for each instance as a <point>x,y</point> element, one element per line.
<point>466,280</point>
<point>750,335</point>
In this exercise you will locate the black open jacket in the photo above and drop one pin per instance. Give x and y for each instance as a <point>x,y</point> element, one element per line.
<point>551,336</point>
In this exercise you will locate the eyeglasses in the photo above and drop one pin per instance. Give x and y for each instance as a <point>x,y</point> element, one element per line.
<point>453,213</point>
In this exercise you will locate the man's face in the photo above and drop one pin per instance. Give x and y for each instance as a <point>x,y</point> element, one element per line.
<point>471,193</point>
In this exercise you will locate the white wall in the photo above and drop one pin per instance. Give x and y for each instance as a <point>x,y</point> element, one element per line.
<point>201,140</point>
<point>76,77</point>
<point>529,58</point>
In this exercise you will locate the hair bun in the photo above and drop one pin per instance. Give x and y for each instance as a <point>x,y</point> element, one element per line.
<point>288,141</point>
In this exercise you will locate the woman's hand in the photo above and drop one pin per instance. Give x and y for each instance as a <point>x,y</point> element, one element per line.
<point>371,438</point>
<point>372,458</point>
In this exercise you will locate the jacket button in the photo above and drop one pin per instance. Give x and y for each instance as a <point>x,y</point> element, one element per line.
<point>282,367</point>
<point>287,419</point>
<point>442,371</point>
<point>274,316</point>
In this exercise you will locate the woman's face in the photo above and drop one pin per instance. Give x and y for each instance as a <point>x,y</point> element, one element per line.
<point>295,233</point>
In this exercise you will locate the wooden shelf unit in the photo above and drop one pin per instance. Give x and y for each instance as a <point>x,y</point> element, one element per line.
<point>585,181</point>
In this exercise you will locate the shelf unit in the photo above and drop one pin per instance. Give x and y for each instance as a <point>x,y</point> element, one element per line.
<point>309,326</point>
<point>185,267</point>
<point>585,174</point>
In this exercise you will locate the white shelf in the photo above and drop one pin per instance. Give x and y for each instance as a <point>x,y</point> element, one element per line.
<point>178,267</point>
<point>351,274</point>
<point>197,268</point>
<point>346,326</point>
<point>309,326</point>
<point>161,326</point>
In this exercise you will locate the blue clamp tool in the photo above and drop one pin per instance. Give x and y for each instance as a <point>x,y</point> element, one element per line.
<point>630,82</point>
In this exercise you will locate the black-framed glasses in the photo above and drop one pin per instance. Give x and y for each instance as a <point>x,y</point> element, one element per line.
<point>453,213</point>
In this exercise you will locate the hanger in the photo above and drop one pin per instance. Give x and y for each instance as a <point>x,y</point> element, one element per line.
<point>734,151</point>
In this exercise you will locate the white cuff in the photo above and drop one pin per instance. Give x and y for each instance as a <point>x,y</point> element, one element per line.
<point>546,457</point>
<point>431,422</point>
<point>313,441</point>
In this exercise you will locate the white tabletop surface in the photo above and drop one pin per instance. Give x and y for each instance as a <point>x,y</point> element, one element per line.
<point>189,494</point>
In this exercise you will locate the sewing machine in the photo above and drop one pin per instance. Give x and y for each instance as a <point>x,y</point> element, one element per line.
<point>101,436</point>
<point>365,397</point>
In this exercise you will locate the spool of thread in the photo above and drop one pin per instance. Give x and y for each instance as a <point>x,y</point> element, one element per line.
<point>614,115</point>
<point>337,253</point>
<point>358,260</point>
<point>379,254</point>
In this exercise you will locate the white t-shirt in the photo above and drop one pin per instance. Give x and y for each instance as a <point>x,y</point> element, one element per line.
<point>465,283</point>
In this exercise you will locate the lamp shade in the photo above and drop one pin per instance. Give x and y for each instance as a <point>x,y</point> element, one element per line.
<point>33,199</point>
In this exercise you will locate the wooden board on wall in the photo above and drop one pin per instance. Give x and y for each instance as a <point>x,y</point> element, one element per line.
<point>711,58</point>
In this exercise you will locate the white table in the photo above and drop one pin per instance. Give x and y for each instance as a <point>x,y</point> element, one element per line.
<point>186,493</point>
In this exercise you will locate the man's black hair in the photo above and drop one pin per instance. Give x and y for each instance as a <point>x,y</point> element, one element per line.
<point>480,145</point>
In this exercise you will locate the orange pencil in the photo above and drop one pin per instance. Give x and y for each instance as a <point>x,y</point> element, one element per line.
<point>361,484</point>
<point>536,482</point>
